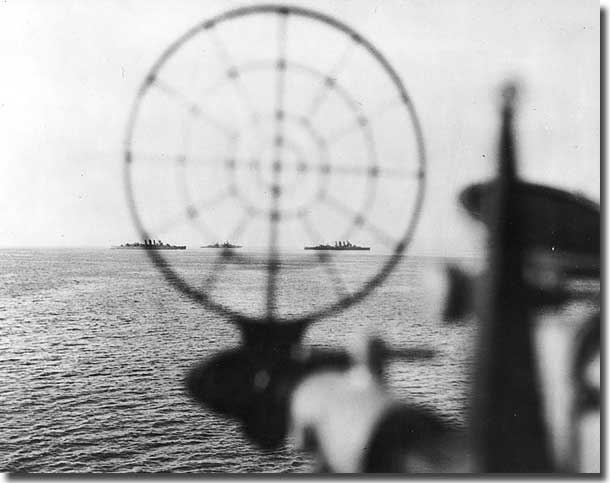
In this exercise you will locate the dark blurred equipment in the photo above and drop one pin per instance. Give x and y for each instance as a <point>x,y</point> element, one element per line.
<point>540,239</point>
<point>551,219</point>
<point>543,250</point>
<point>334,404</point>
<point>508,430</point>
<point>255,382</point>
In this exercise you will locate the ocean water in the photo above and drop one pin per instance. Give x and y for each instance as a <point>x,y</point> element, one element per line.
<point>94,344</point>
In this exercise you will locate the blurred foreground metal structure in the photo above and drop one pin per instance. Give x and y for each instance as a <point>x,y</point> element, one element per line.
<point>528,270</point>
<point>334,403</point>
<point>526,224</point>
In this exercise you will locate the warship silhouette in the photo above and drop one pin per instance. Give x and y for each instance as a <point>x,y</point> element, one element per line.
<point>151,245</point>
<point>340,245</point>
<point>224,245</point>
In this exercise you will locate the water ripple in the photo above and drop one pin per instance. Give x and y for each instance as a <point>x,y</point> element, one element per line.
<point>94,346</point>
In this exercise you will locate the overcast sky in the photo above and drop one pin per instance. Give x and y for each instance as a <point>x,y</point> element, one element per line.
<point>71,69</point>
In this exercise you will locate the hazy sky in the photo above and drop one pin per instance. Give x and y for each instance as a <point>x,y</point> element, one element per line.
<point>71,69</point>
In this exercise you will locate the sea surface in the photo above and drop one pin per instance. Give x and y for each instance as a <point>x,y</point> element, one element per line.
<point>94,345</point>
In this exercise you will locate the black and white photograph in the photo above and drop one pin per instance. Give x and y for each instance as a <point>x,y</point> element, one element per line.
<point>299,236</point>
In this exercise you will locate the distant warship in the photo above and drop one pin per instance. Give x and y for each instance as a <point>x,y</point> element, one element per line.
<point>224,245</point>
<point>151,245</point>
<point>340,245</point>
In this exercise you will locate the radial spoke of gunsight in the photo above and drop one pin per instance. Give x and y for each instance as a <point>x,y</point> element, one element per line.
<point>195,109</point>
<point>235,76</point>
<point>328,81</point>
<point>191,212</point>
<point>360,221</point>
<point>363,121</point>
<point>218,266</point>
<point>371,171</point>
<point>274,212</point>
